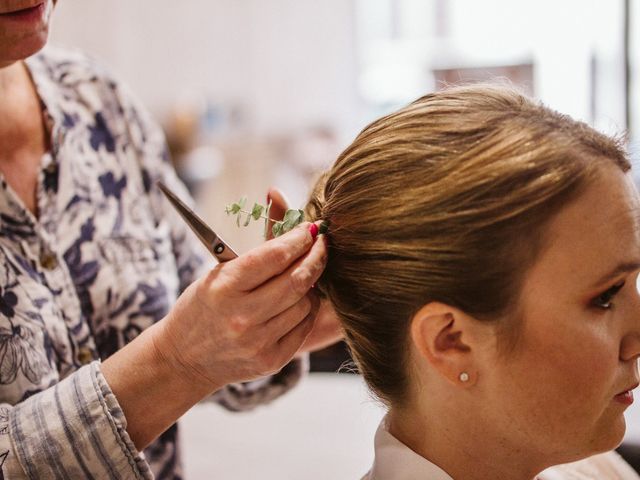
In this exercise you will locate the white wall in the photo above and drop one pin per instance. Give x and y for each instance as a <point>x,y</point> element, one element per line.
<point>561,38</point>
<point>288,63</point>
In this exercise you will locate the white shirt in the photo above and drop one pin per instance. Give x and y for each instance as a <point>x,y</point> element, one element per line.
<point>395,461</point>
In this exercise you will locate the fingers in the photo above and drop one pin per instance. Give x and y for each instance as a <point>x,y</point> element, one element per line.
<point>279,339</point>
<point>327,329</point>
<point>280,325</point>
<point>290,343</point>
<point>288,288</point>
<point>254,268</point>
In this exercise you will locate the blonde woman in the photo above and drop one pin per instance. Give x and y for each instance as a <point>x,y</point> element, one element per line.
<point>483,259</point>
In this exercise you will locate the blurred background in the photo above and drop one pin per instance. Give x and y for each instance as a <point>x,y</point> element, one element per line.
<point>254,93</point>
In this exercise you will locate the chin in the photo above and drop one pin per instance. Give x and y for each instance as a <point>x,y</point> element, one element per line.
<point>24,48</point>
<point>608,437</point>
<point>618,429</point>
<point>604,437</point>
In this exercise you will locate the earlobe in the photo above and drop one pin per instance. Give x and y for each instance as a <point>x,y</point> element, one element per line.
<point>441,338</point>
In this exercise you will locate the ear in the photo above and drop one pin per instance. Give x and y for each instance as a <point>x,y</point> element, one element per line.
<point>444,337</point>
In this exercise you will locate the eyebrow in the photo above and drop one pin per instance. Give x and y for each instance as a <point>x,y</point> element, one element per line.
<point>622,268</point>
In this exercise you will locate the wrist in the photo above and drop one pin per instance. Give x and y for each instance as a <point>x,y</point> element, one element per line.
<point>151,392</point>
<point>172,361</point>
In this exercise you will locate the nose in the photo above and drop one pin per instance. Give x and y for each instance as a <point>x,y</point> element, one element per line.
<point>630,346</point>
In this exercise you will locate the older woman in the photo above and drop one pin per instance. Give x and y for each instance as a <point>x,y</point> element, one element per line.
<point>92,259</point>
<point>484,253</point>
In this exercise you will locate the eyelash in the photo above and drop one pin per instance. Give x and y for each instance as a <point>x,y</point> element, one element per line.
<point>605,299</point>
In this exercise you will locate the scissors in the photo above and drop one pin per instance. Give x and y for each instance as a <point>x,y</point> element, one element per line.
<point>212,242</point>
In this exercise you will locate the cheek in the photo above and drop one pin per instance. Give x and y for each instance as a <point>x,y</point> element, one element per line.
<point>576,368</point>
<point>559,383</point>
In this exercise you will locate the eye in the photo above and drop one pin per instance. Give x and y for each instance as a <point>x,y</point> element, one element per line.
<point>604,300</point>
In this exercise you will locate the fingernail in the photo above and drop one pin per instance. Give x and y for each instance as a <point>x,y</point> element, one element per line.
<point>313,230</point>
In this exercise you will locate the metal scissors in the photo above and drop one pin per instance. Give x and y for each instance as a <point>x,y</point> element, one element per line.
<point>212,242</point>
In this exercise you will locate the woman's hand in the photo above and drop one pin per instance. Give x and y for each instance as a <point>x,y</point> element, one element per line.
<point>245,319</point>
<point>327,329</point>
<point>249,316</point>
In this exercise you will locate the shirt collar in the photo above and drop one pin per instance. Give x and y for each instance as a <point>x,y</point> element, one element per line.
<point>396,461</point>
<point>44,78</point>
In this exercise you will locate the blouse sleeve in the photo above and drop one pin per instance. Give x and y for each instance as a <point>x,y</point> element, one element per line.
<point>75,429</point>
<point>192,259</point>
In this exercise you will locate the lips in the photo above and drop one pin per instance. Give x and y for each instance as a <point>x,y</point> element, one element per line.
<point>21,8</point>
<point>626,396</point>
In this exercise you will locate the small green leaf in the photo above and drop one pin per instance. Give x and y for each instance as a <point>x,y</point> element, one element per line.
<point>233,209</point>
<point>291,219</point>
<point>256,211</point>
<point>277,229</point>
<point>290,214</point>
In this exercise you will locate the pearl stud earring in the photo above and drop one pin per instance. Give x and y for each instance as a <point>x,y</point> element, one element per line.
<point>464,377</point>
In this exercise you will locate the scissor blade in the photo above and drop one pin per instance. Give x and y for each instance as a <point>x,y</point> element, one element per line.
<point>212,242</point>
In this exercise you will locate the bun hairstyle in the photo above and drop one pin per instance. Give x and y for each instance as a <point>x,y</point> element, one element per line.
<point>446,200</point>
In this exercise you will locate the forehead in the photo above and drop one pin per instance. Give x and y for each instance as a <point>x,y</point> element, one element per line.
<point>592,234</point>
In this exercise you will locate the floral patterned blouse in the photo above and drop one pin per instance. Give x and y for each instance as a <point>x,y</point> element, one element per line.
<point>105,258</point>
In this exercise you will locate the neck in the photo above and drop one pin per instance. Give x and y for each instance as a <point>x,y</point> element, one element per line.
<point>21,127</point>
<point>461,445</point>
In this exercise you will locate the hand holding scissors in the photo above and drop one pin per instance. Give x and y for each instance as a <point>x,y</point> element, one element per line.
<point>246,318</point>
<point>250,314</point>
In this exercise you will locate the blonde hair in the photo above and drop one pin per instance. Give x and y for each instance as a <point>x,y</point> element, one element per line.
<point>445,200</point>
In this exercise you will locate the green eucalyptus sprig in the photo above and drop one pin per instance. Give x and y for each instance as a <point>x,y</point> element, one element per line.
<point>291,218</point>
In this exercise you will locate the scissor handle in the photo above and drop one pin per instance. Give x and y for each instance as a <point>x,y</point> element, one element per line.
<point>222,252</point>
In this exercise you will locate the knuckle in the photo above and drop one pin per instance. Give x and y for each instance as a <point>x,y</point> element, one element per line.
<point>214,274</point>
<point>238,324</point>
<point>216,280</point>
<point>280,255</point>
<point>319,266</point>
<point>251,259</point>
<point>301,281</point>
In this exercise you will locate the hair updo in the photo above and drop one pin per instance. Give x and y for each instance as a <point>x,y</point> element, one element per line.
<point>445,200</point>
